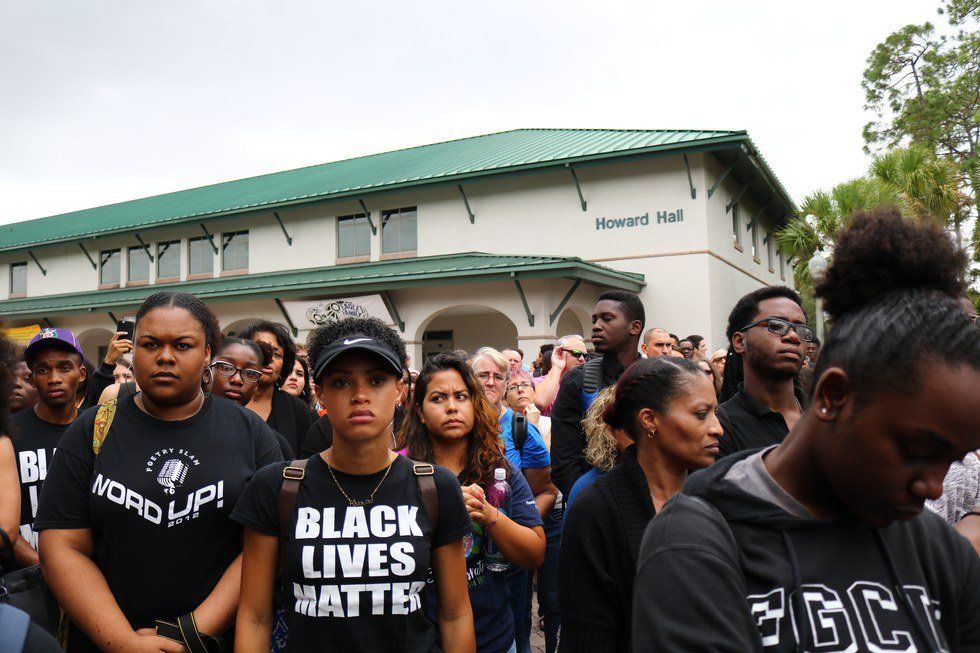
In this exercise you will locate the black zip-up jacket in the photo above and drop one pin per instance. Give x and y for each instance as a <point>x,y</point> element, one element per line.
<point>597,561</point>
<point>722,570</point>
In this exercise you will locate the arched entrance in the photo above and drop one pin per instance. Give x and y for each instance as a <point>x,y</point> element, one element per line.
<point>574,321</point>
<point>466,327</point>
<point>95,344</point>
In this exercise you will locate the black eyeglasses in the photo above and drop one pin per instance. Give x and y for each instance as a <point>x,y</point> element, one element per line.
<point>576,353</point>
<point>781,328</point>
<point>227,369</point>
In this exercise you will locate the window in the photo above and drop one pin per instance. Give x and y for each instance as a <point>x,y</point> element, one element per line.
<point>139,265</point>
<point>399,230</point>
<point>234,251</point>
<point>353,236</point>
<point>200,256</point>
<point>755,240</point>
<point>109,267</point>
<point>782,266</point>
<point>769,237</point>
<point>736,227</point>
<point>168,259</point>
<point>18,278</point>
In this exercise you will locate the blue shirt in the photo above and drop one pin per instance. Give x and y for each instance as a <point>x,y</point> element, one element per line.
<point>534,455</point>
<point>493,620</point>
<point>584,481</point>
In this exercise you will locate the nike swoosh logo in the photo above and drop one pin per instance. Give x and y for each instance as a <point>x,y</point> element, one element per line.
<point>356,340</point>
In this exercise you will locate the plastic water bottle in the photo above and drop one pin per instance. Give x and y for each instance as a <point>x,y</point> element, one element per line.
<point>497,495</point>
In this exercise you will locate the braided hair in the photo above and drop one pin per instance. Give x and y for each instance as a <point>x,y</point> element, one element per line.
<point>745,312</point>
<point>895,283</point>
<point>648,383</point>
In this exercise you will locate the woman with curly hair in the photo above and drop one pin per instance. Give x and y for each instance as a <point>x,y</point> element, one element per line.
<point>821,542</point>
<point>666,406</point>
<point>451,423</point>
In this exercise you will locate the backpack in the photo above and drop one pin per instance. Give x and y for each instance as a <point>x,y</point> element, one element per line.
<point>591,382</point>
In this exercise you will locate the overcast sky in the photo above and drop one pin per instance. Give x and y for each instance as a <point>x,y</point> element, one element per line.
<point>107,101</point>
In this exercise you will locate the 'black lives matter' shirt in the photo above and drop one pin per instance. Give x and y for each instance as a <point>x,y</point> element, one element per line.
<point>354,574</point>
<point>35,441</point>
<point>158,500</point>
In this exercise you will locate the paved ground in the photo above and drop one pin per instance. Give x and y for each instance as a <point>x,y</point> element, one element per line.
<point>537,635</point>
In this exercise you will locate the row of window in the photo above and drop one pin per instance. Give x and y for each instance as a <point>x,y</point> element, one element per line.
<point>399,234</point>
<point>200,259</point>
<point>770,244</point>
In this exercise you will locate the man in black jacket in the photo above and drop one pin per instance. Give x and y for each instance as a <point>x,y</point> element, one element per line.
<point>616,327</point>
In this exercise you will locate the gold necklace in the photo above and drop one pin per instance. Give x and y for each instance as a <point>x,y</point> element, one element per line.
<point>360,502</point>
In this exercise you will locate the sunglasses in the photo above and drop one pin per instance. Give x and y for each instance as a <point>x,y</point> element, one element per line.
<point>576,353</point>
<point>781,327</point>
<point>228,370</point>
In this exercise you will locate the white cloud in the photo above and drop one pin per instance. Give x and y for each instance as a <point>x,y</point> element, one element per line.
<point>107,101</point>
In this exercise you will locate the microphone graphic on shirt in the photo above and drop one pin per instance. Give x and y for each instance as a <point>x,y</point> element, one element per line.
<point>172,475</point>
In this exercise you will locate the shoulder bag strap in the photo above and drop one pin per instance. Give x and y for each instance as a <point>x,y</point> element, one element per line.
<point>103,420</point>
<point>425,476</point>
<point>292,476</point>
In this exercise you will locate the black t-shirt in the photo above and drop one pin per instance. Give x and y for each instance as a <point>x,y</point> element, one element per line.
<point>354,575</point>
<point>158,500</point>
<point>290,417</point>
<point>35,441</point>
<point>749,424</point>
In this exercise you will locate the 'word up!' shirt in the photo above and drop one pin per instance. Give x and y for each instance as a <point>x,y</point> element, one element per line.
<point>158,499</point>
<point>493,618</point>
<point>354,575</point>
<point>35,441</point>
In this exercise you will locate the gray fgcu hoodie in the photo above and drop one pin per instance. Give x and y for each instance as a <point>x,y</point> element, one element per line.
<point>724,570</point>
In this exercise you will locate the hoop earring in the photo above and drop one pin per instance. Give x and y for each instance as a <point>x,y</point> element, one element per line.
<point>206,378</point>
<point>651,433</point>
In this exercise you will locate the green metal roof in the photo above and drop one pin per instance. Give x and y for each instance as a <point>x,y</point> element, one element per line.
<point>470,267</point>
<point>451,161</point>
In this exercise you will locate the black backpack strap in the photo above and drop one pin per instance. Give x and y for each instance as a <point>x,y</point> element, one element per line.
<point>292,476</point>
<point>592,376</point>
<point>518,429</point>
<point>425,476</point>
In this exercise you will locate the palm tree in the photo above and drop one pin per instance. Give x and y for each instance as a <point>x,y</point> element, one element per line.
<point>910,179</point>
<point>823,214</point>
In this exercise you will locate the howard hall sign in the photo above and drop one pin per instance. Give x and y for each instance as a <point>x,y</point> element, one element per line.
<point>662,217</point>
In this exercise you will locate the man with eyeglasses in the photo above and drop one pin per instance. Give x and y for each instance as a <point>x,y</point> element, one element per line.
<point>767,332</point>
<point>569,353</point>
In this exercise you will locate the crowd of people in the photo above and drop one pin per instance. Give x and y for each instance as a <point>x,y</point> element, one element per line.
<point>204,492</point>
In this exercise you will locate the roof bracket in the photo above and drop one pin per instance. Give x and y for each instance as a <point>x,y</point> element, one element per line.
<point>112,317</point>
<point>527,309</point>
<point>374,229</point>
<point>89,257</point>
<point>738,195</point>
<point>282,309</point>
<point>758,214</point>
<point>466,202</point>
<point>48,322</point>
<point>690,179</point>
<point>390,305</point>
<point>146,248</point>
<point>289,239</point>
<point>210,238</point>
<point>724,175</point>
<point>37,262</point>
<point>565,300</point>
<point>578,186</point>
